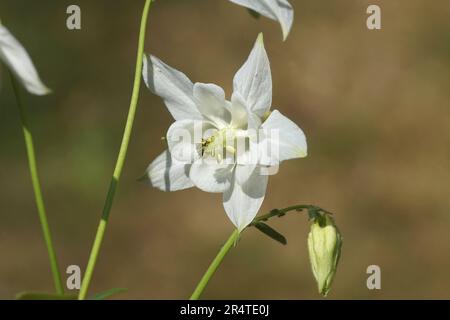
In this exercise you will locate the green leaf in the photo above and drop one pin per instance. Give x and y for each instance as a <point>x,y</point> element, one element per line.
<point>44,296</point>
<point>270,232</point>
<point>108,293</point>
<point>253,13</point>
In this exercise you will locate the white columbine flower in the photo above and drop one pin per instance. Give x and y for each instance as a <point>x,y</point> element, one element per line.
<point>15,57</point>
<point>278,10</point>
<point>219,145</point>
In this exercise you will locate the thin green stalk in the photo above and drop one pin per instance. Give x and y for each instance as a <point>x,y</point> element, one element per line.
<point>282,212</point>
<point>313,211</point>
<point>120,159</point>
<point>214,265</point>
<point>235,236</point>
<point>37,189</point>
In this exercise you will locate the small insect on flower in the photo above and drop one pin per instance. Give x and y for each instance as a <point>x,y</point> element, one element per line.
<point>206,145</point>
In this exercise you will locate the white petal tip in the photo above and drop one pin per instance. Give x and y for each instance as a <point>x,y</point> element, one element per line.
<point>303,154</point>
<point>144,61</point>
<point>286,29</point>
<point>42,92</point>
<point>37,90</point>
<point>260,39</point>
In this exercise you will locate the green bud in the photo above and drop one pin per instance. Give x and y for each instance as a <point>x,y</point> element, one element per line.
<point>324,246</point>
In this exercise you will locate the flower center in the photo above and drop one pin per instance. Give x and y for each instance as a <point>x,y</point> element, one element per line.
<point>220,144</point>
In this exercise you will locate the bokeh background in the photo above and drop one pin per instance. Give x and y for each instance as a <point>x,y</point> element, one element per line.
<point>374,106</point>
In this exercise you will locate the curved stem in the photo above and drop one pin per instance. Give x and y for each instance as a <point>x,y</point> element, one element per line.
<point>37,189</point>
<point>312,210</point>
<point>214,265</point>
<point>281,212</point>
<point>120,159</point>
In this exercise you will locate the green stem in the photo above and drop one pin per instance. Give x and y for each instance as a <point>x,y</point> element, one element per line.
<point>37,189</point>
<point>120,159</point>
<point>214,265</point>
<point>281,212</point>
<point>234,237</point>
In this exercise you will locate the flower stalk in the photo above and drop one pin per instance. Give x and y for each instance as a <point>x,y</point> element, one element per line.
<point>120,159</point>
<point>234,237</point>
<point>214,265</point>
<point>29,144</point>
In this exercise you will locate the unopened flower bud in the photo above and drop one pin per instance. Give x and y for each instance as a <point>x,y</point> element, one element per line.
<point>324,246</point>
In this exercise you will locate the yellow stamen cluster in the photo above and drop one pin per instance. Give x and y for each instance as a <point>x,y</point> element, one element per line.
<point>218,144</point>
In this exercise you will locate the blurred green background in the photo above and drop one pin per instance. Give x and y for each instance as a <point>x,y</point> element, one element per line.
<point>373,104</point>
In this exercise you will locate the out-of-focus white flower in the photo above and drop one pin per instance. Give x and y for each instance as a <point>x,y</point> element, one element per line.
<point>278,10</point>
<point>219,145</point>
<point>15,57</point>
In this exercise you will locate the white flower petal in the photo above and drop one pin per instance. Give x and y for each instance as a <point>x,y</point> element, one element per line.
<point>172,86</point>
<point>210,101</point>
<point>283,140</point>
<point>253,81</point>
<point>242,202</point>
<point>254,121</point>
<point>285,16</point>
<point>244,172</point>
<point>168,174</point>
<point>239,114</point>
<point>211,176</point>
<point>184,139</point>
<point>15,57</point>
<point>278,10</point>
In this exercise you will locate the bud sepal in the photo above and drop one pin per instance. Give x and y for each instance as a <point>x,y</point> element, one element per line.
<point>324,246</point>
